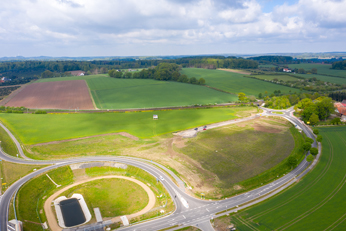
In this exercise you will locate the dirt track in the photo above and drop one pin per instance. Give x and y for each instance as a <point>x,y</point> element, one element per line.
<point>54,95</point>
<point>52,220</point>
<point>235,71</point>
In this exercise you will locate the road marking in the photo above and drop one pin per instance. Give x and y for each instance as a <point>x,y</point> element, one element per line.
<point>207,210</point>
<point>184,217</point>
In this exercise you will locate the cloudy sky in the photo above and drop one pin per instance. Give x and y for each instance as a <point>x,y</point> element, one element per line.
<point>170,27</point>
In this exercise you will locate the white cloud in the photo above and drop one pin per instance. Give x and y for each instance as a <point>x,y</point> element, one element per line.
<point>63,25</point>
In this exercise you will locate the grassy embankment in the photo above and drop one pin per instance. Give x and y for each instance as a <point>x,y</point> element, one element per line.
<point>7,144</point>
<point>233,82</point>
<point>32,128</point>
<point>32,195</point>
<point>244,156</point>
<point>315,203</point>
<point>111,93</point>
<point>10,172</point>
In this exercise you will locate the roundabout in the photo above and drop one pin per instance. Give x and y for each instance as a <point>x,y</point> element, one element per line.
<point>189,210</point>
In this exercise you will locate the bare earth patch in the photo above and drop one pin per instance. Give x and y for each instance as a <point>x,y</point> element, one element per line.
<point>72,94</point>
<point>235,71</point>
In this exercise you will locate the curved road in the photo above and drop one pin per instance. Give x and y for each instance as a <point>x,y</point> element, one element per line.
<point>189,211</point>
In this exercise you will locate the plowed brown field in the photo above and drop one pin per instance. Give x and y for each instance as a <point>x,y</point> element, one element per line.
<point>72,94</point>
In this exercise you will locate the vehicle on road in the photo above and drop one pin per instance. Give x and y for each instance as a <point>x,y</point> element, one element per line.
<point>161,178</point>
<point>205,128</point>
<point>196,129</point>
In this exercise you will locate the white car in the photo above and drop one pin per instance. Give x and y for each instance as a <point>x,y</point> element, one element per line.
<point>161,178</point>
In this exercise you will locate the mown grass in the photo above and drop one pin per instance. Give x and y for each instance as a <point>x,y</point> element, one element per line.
<point>111,93</point>
<point>162,196</point>
<point>33,129</point>
<point>316,202</point>
<point>69,78</point>
<point>244,158</point>
<point>278,77</point>
<point>233,82</point>
<point>11,172</point>
<point>114,197</point>
<point>31,196</point>
<point>7,144</point>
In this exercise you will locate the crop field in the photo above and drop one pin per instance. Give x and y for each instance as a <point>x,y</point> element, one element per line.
<point>54,95</point>
<point>317,202</point>
<point>111,93</point>
<point>69,78</point>
<point>279,77</point>
<point>233,82</point>
<point>241,151</point>
<point>39,128</point>
<point>337,80</point>
<point>322,69</point>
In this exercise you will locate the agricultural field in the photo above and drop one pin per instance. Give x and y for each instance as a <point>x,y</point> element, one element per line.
<point>69,78</point>
<point>322,69</point>
<point>278,77</point>
<point>112,93</point>
<point>317,202</point>
<point>54,95</point>
<point>330,79</point>
<point>242,151</point>
<point>233,82</point>
<point>39,128</point>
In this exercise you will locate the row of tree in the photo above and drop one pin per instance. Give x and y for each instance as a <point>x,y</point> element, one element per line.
<point>163,72</point>
<point>341,65</point>
<point>338,96</point>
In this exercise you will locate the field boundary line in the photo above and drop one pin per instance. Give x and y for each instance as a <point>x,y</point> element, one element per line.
<point>91,96</point>
<point>298,194</point>
<point>7,99</point>
<point>96,96</point>
<point>323,202</point>
<point>252,228</point>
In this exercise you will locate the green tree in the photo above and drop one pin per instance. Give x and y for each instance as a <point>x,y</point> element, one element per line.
<point>201,81</point>
<point>310,158</point>
<point>241,97</point>
<point>313,119</point>
<point>314,70</point>
<point>118,74</point>
<point>336,121</point>
<point>193,80</point>
<point>301,71</point>
<point>292,162</point>
<point>128,75</point>
<point>306,146</point>
<point>309,140</point>
<point>314,151</point>
<point>183,79</point>
<point>47,74</point>
<point>316,131</point>
<point>325,107</point>
<point>260,96</point>
<point>319,138</point>
<point>175,76</point>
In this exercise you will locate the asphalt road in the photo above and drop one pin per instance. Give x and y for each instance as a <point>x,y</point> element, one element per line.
<point>189,211</point>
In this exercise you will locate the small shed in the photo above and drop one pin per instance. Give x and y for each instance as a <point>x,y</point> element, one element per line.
<point>155,117</point>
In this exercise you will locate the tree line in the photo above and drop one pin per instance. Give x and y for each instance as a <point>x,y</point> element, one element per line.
<point>338,96</point>
<point>341,65</point>
<point>163,72</point>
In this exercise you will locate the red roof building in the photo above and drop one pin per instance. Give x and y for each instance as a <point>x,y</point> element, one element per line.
<point>77,73</point>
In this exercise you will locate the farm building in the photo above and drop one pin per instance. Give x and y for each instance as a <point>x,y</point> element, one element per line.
<point>287,70</point>
<point>344,103</point>
<point>4,79</point>
<point>342,111</point>
<point>77,73</point>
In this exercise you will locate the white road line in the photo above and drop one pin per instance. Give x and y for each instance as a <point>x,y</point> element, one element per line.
<point>207,210</point>
<point>184,217</point>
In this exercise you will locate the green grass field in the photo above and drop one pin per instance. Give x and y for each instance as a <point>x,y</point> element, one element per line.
<point>39,128</point>
<point>243,151</point>
<point>115,197</point>
<point>111,93</point>
<point>317,202</point>
<point>233,82</point>
<point>279,77</point>
<point>322,69</point>
<point>85,77</point>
